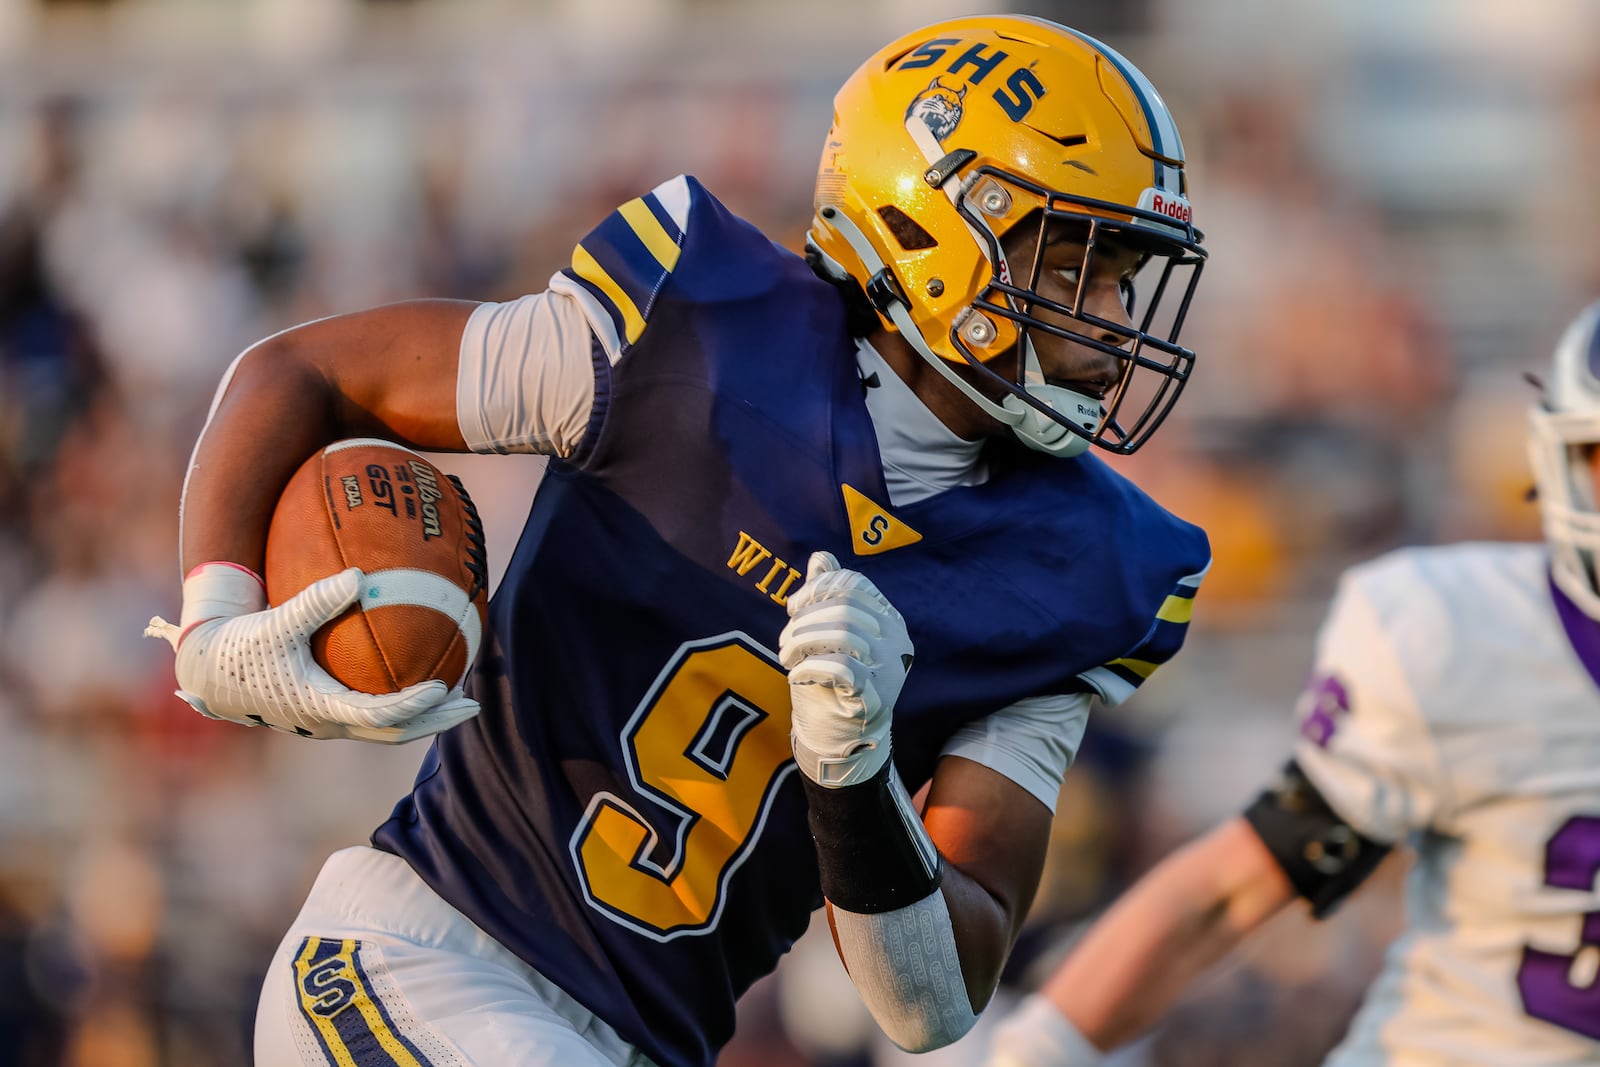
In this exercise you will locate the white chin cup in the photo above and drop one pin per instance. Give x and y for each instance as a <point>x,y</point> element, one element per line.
<point>1042,433</point>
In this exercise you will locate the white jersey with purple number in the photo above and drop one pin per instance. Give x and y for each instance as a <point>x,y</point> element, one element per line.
<point>1454,703</point>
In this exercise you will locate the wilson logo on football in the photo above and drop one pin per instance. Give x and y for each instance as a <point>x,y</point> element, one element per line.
<point>1172,206</point>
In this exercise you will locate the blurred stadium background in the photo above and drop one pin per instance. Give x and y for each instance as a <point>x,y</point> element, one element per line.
<point>1400,202</point>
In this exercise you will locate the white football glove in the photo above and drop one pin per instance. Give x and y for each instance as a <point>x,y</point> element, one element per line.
<point>847,654</point>
<point>1036,1034</point>
<point>244,662</point>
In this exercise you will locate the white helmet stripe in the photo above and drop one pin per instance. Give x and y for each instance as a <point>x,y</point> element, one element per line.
<point>1163,131</point>
<point>933,151</point>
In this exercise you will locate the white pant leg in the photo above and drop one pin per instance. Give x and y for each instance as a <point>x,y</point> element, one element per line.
<point>377,971</point>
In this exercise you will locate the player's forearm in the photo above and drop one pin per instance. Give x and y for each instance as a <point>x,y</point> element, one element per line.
<point>983,934</point>
<point>1187,913</point>
<point>989,876</point>
<point>926,970</point>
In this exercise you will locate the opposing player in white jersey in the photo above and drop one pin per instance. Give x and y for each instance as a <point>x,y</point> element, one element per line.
<point>1455,702</point>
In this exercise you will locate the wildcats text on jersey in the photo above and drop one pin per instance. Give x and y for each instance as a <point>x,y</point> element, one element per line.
<point>748,553</point>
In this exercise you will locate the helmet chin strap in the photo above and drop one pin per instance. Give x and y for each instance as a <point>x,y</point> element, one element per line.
<point>1036,429</point>
<point>1028,424</point>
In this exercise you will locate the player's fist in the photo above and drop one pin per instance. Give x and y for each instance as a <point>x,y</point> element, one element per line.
<point>241,661</point>
<point>847,654</point>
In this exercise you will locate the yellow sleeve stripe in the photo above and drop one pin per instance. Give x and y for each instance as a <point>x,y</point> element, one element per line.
<point>378,1025</point>
<point>330,985</point>
<point>329,1033</point>
<point>650,232</point>
<point>584,265</point>
<point>1142,667</point>
<point>1176,609</point>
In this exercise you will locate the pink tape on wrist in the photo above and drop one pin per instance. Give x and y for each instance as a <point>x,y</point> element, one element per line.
<point>224,563</point>
<point>213,590</point>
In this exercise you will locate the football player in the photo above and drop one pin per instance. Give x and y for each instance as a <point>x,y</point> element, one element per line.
<point>776,481</point>
<point>1453,704</point>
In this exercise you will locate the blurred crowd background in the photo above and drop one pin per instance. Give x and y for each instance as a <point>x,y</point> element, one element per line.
<point>1400,202</point>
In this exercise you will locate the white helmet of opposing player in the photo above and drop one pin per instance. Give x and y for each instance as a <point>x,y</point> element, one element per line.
<point>1564,430</point>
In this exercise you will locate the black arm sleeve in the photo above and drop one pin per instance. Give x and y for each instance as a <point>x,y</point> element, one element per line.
<point>1322,855</point>
<point>872,852</point>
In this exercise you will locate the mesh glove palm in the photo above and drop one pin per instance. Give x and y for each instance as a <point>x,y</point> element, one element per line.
<point>246,663</point>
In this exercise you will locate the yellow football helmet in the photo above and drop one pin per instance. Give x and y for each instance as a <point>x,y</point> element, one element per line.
<point>950,137</point>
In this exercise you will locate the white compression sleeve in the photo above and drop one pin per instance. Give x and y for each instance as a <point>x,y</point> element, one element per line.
<point>904,965</point>
<point>526,377</point>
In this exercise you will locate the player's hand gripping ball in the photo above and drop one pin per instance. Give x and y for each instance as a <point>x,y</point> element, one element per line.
<point>415,536</point>
<point>373,656</point>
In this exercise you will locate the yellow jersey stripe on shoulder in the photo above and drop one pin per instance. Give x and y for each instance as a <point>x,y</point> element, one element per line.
<point>585,267</point>
<point>1143,668</point>
<point>624,263</point>
<point>1176,609</point>
<point>651,233</point>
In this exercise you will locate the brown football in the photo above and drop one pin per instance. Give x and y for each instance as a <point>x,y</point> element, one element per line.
<point>414,533</point>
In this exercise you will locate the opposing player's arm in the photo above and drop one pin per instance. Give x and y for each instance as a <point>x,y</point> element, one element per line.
<point>1363,775</point>
<point>1322,856</point>
<point>1189,911</point>
<point>1134,962</point>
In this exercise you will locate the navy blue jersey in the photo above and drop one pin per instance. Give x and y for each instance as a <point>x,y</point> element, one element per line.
<point>622,814</point>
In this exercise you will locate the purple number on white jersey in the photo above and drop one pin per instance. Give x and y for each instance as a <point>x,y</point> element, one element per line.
<point>1571,861</point>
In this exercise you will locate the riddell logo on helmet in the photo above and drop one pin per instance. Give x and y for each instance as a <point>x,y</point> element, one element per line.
<point>1173,207</point>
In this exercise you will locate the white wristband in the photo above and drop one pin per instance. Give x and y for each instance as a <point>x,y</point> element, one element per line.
<point>1038,1035</point>
<point>215,590</point>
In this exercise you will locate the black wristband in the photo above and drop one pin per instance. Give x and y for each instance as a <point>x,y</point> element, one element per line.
<point>872,852</point>
<point>1323,856</point>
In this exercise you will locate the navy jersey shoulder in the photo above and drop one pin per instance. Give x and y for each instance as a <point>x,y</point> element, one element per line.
<point>623,814</point>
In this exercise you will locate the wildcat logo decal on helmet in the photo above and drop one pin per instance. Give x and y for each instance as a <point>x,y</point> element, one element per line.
<point>939,108</point>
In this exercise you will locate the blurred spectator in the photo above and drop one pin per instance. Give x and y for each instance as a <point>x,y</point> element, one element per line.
<point>50,369</point>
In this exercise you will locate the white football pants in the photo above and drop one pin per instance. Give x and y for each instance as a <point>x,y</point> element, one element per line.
<point>377,971</point>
